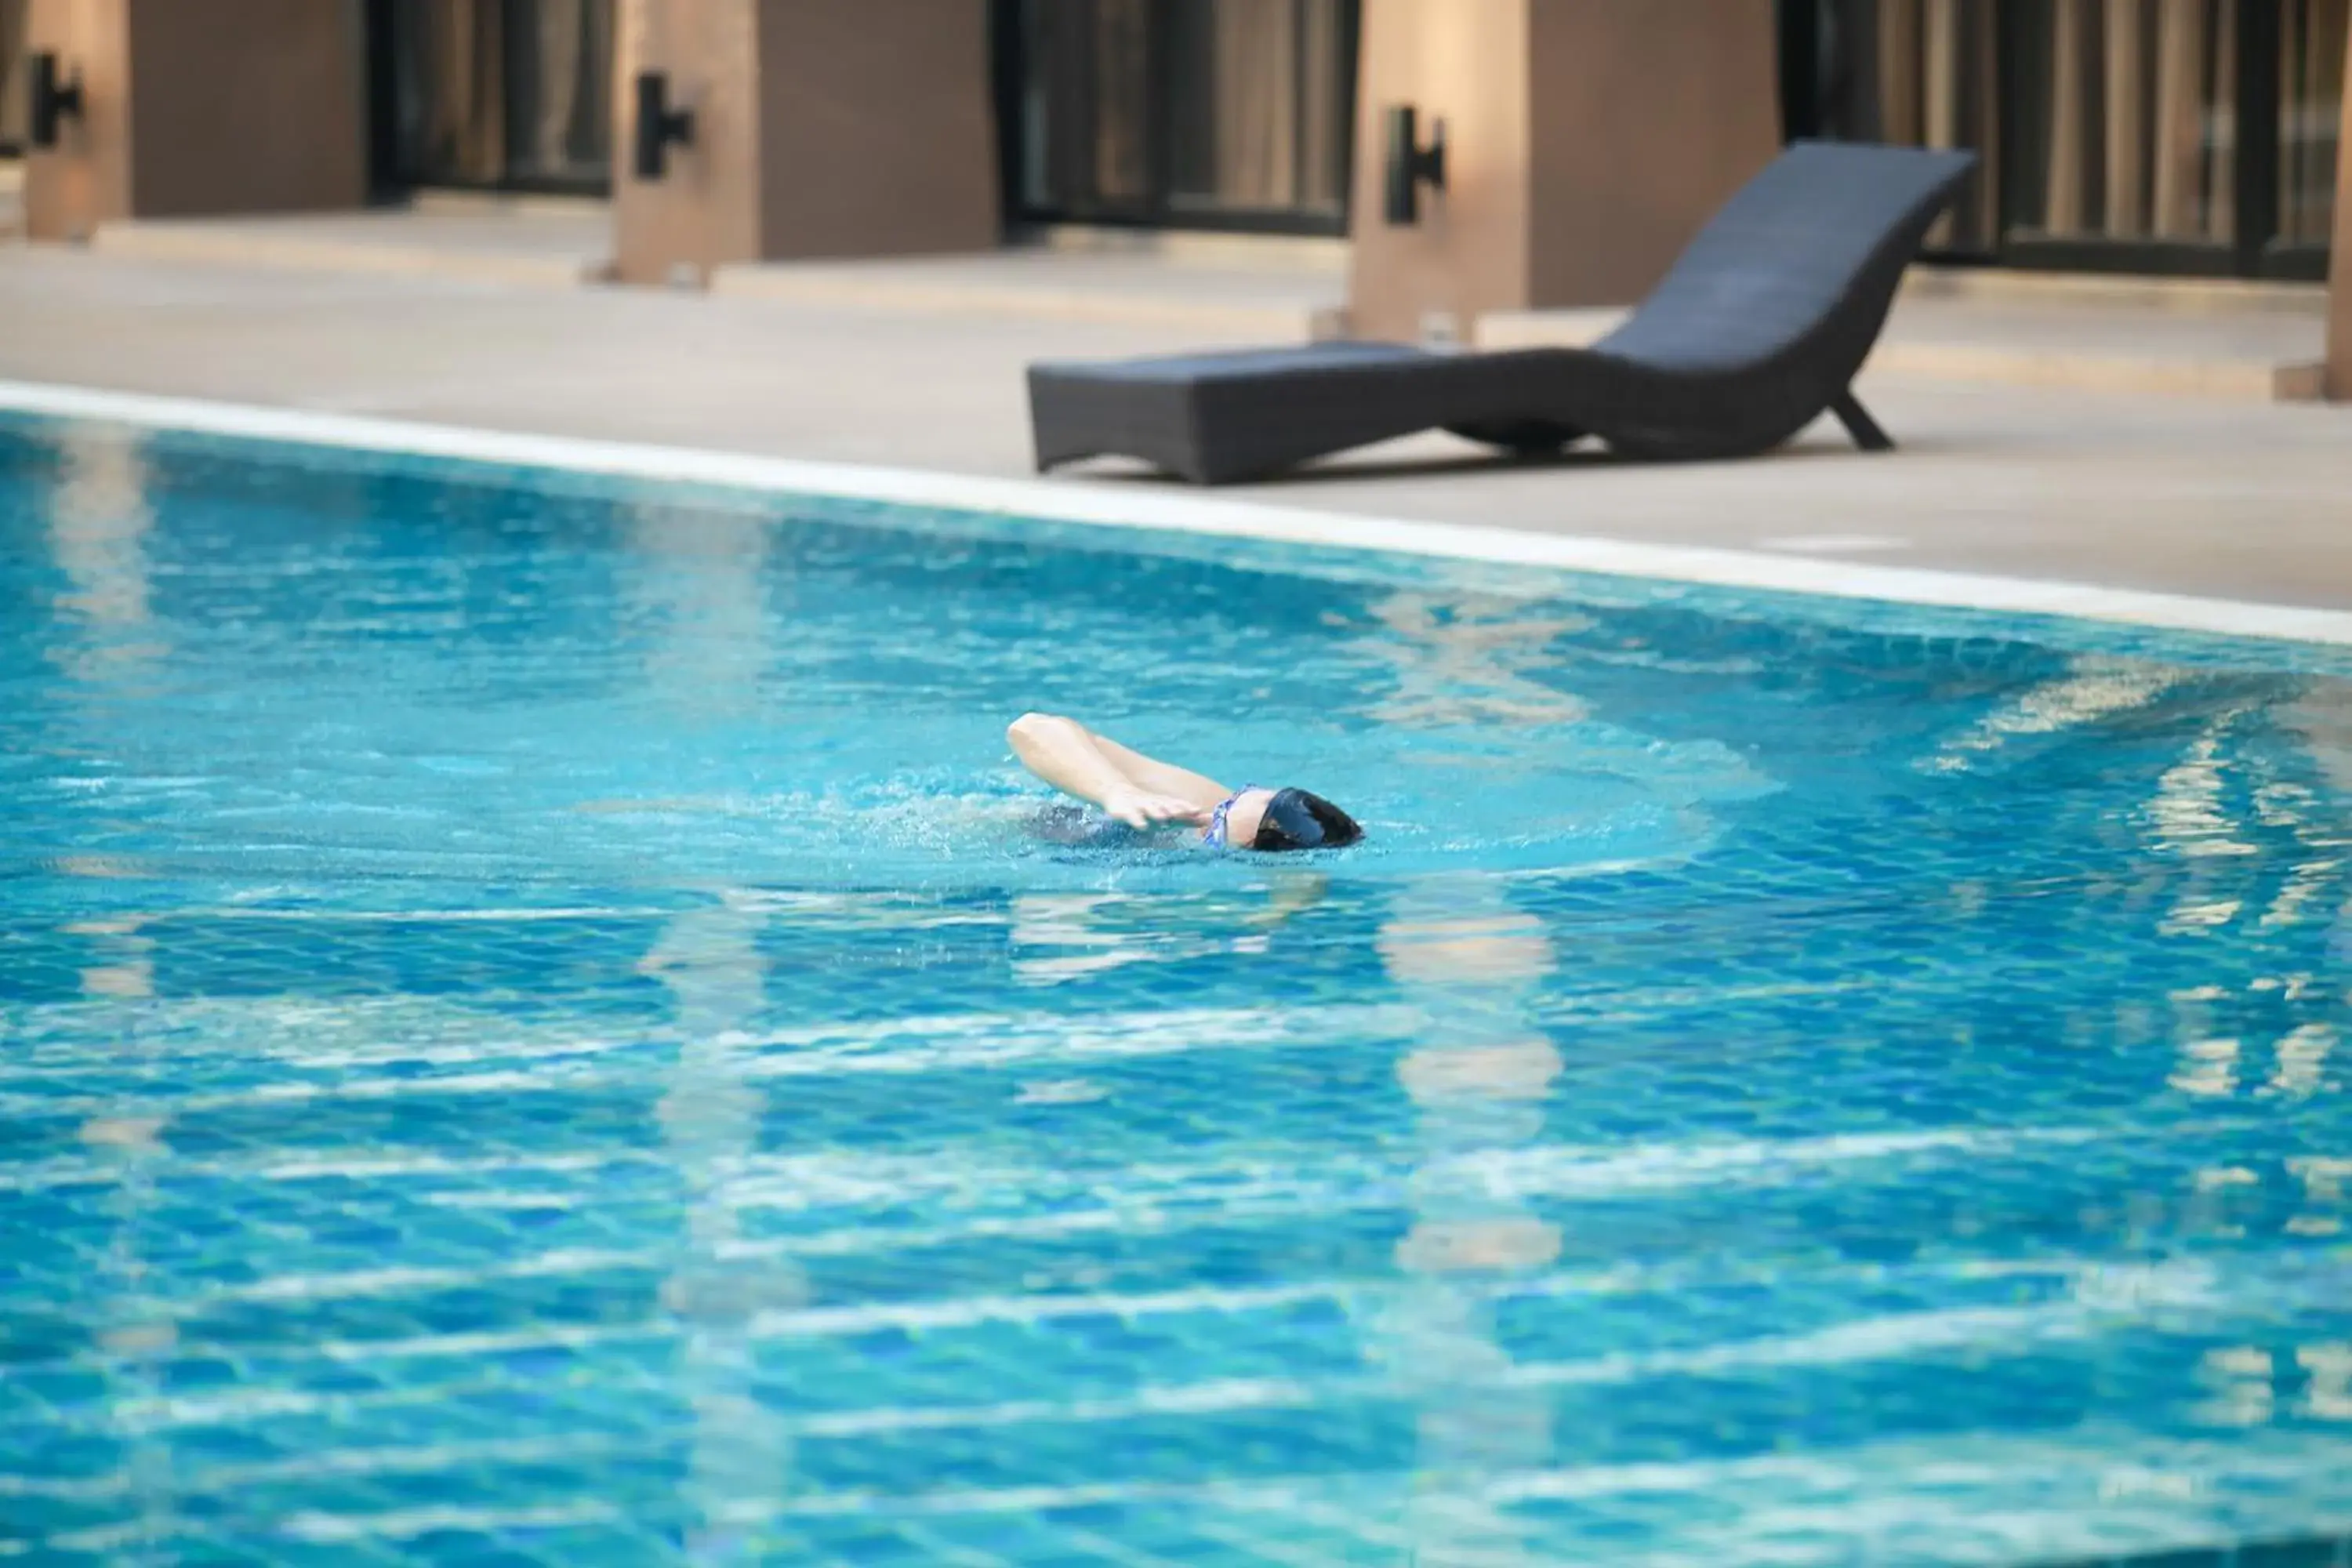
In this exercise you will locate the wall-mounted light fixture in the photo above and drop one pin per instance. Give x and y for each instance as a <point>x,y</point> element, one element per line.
<point>660,127</point>
<point>53,99</point>
<point>1412,165</point>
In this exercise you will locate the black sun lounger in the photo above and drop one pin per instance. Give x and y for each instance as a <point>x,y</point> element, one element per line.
<point>1758,329</point>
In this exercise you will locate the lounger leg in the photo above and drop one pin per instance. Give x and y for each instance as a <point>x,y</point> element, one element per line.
<point>1858,423</point>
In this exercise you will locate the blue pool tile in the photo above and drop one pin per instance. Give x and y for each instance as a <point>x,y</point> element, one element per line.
<point>2314,1552</point>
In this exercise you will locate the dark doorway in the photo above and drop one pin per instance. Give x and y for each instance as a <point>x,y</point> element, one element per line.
<point>504,95</point>
<point>1231,114</point>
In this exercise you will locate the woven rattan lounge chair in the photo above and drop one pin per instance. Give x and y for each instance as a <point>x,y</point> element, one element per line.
<point>1758,330</point>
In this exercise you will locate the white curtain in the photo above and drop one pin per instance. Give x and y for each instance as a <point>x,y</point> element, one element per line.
<point>492,90</point>
<point>1252,100</point>
<point>561,117</point>
<point>452,90</point>
<point>2311,109</point>
<point>1271,101</point>
<point>1323,116</point>
<point>14,109</point>
<point>1122,162</point>
<point>1938,86</point>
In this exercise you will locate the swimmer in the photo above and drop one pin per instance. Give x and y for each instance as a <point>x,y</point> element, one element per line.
<point>1140,791</point>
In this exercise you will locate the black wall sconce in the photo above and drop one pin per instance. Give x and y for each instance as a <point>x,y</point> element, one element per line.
<point>53,99</point>
<point>660,127</point>
<point>1410,165</point>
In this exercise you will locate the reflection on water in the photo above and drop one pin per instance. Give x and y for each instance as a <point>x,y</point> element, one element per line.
<point>739,1455</point>
<point>1055,940</point>
<point>2092,690</point>
<point>698,607</point>
<point>1476,1075</point>
<point>545,1023</point>
<point>1465,659</point>
<point>98,521</point>
<point>698,604</point>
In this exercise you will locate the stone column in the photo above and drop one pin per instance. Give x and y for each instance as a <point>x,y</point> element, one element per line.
<point>229,106</point>
<point>2339,288</point>
<point>823,128</point>
<point>85,179</point>
<point>1586,141</point>
<point>704,211</point>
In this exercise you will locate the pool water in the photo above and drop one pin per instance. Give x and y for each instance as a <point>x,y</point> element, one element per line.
<point>537,1026</point>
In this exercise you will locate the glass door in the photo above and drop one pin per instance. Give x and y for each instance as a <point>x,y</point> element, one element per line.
<point>2310,119</point>
<point>492,94</point>
<point>1920,72</point>
<point>2130,114</point>
<point>1231,114</point>
<point>2164,136</point>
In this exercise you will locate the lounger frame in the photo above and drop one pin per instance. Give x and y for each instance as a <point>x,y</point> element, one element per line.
<point>1757,331</point>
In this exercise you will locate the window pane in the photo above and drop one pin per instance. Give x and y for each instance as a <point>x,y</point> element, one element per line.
<point>1084,105</point>
<point>559,74</point>
<point>2311,117</point>
<point>449,98</point>
<point>2139,133</point>
<point>2093,118</point>
<point>1260,91</point>
<point>1157,109</point>
<point>489,92</point>
<point>14,109</point>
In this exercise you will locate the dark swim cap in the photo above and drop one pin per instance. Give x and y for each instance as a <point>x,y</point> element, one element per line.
<point>1296,819</point>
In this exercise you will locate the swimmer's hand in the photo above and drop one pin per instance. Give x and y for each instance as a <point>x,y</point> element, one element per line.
<point>1130,786</point>
<point>1144,808</point>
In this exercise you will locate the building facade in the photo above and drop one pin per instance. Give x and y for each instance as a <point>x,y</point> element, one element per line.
<point>2163,137</point>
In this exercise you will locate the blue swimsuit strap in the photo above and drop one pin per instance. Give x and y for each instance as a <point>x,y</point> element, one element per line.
<point>1215,836</point>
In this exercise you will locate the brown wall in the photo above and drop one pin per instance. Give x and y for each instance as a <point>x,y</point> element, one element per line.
<point>224,106</point>
<point>247,106</point>
<point>1648,115</point>
<point>705,210</point>
<point>880,135</point>
<point>1586,141</point>
<point>1463,61</point>
<point>823,128</point>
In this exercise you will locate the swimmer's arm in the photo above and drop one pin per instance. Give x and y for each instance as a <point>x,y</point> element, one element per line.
<point>1162,778</point>
<point>1127,784</point>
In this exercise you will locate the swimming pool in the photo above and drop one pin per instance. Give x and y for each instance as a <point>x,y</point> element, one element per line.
<point>538,1029</point>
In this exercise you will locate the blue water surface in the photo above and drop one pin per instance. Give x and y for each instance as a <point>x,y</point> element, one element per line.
<point>537,1026</point>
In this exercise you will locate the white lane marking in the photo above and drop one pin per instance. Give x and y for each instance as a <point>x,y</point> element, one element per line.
<point>1133,506</point>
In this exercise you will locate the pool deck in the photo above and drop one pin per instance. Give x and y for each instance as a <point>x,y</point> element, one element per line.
<point>2101,440</point>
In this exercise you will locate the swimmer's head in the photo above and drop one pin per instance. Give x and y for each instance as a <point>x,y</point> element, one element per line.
<point>1278,819</point>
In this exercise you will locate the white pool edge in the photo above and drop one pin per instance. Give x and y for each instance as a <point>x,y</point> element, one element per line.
<point>1126,506</point>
